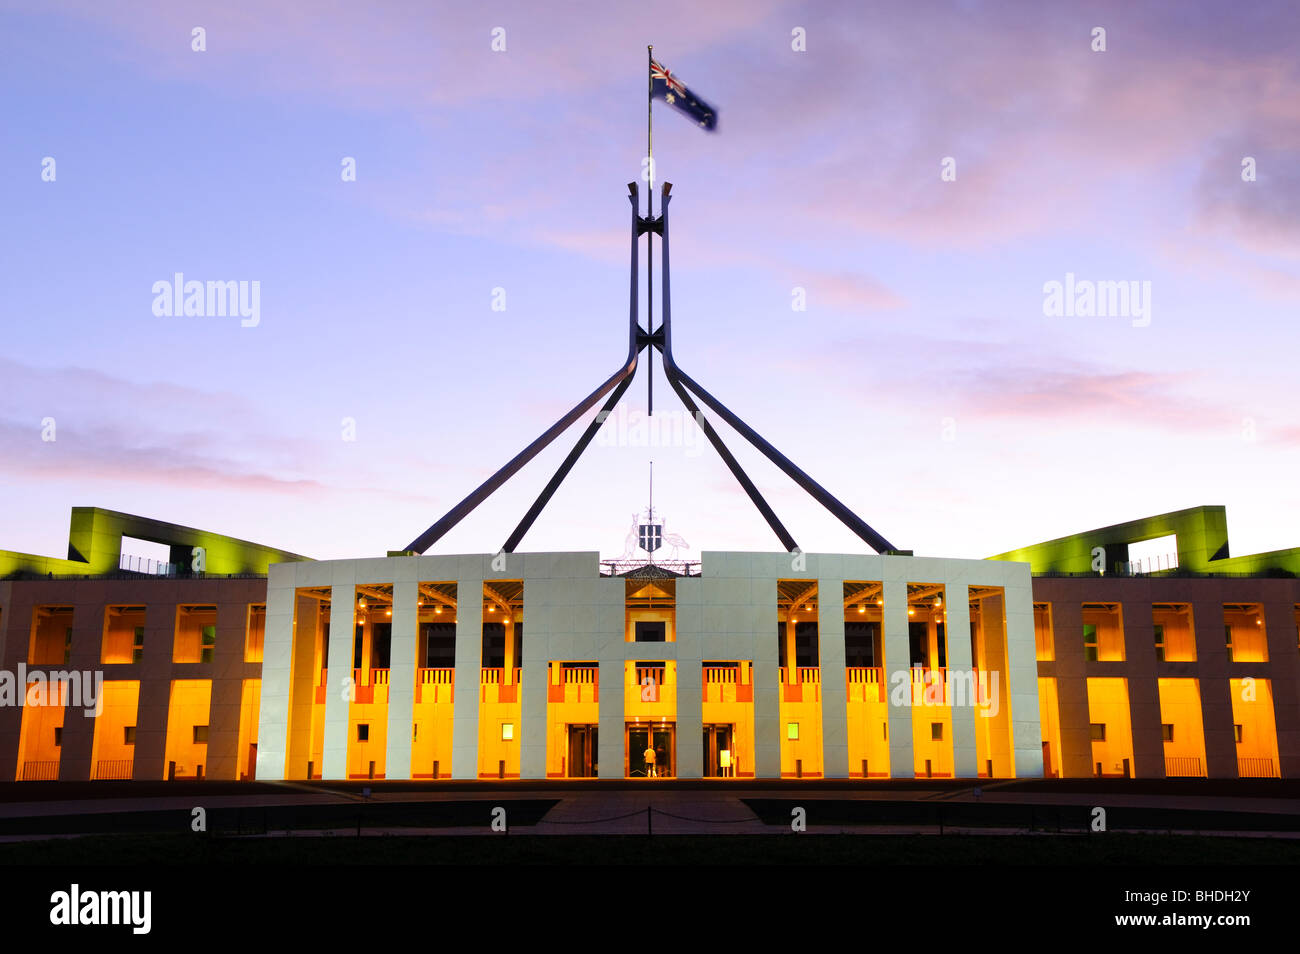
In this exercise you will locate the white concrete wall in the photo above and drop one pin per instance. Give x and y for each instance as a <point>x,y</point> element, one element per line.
<point>571,614</point>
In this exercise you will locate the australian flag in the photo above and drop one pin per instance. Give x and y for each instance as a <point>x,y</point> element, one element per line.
<point>673,91</point>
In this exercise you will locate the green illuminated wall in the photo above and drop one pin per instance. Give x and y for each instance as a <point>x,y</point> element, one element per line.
<point>95,547</point>
<point>1202,534</point>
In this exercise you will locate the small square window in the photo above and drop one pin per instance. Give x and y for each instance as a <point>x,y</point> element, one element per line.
<point>1167,731</point>
<point>792,730</point>
<point>200,733</point>
<point>128,735</point>
<point>363,731</point>
<point>507,731</point>
<point>1236,731</point>
<point>936,731</point>
<point>1098,731</point>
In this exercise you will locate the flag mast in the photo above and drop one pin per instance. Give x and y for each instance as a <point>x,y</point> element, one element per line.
<point>649,235</point>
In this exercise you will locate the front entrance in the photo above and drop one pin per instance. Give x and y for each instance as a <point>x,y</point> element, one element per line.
<point>719,752</point>
<point>661,738</point>
<point>583,759</point>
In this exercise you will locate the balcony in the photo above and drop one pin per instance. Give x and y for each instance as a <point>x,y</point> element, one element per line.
<point>728,684</point>
<point>574,684</point>
<point>865,683</point>
<point>805,687</point>
<point>435,685</point>
<point>494,686</point>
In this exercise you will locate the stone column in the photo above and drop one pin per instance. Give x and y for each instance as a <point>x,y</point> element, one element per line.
<point>401,678</point>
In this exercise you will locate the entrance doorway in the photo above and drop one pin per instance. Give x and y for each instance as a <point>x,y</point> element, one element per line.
<point>719,752</point>
<point>583,759</point>
<point>662,738</point>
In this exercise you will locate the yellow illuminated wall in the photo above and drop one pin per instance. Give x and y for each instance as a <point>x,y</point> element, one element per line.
<point>190,704</point>
<point>38,749</point>
<point>572,698</point>
<point>307,684</point>
<point>728,699</point>
<point>112,756</point>
<point>1108,706</point>
<point>250,701</point>
<point>987,697</point>
<point>1245,633</point>
<point>51,633</point>
<point>120,627</point>
<point>1110,630</point>
<point>1044,643</point>
<point>1180,709</point>
<point>195,627</point>
<point>500,730</point>
<point>256,633</point>
<point>1049,720</point>
<point>1179,637</point>
<point>1252,712</point>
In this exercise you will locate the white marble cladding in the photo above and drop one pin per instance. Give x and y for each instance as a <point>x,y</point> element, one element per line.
<point>728,611</point>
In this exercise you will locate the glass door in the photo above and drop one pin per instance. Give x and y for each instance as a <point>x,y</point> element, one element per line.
<point>651,750</point>
<point>583,746</point>
<point>719,755</point>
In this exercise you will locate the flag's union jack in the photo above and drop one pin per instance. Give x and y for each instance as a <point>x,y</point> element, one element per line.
<point>673,91</point>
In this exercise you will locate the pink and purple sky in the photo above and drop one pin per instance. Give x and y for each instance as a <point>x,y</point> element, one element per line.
<point>923,385</point>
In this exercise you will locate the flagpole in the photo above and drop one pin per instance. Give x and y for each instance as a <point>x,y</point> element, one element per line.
<point>649,236</point>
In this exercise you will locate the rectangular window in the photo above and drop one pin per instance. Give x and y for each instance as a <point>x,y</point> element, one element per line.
<point>650,631</point>
<point>137,646</point>
<point>1227,639</point>
<point>128,735</point>
<point>936,731</point>
<point>1098,731</point>
<point>1236,731</point>
<point>1090,642</point>
<point>1160,642</point>
<point>507,731</point>
<point>363,731</point>
<point>792,731</point>
<point>209,643</point>
<point>415,732</point>
<point>200,734</point>
<point>58,735</point>
<point>1167,731</point>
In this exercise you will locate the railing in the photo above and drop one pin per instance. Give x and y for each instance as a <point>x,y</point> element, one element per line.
<point>650,675</point>
<point>496,676</point>
<point>721,674</point>
<point>581,675</point>
<point>114,768</point>
<point>870,679</point>
<point>41,771</point>
<point>1255,768</point>
<point>135,564</point>
<point>1186,766</point>
<point>806,676</point>
<point>435,685</point>
<point>379,677</point>
<point>619,567</point>
<point>923,677</point>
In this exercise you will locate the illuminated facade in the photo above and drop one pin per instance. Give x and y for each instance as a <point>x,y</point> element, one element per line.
<point>243,661</point>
